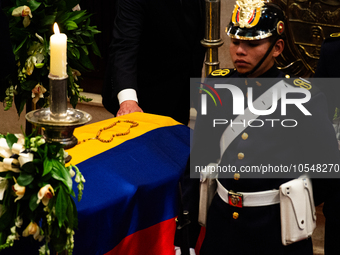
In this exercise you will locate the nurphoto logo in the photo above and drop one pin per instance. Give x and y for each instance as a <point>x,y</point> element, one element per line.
<point>277,93</point>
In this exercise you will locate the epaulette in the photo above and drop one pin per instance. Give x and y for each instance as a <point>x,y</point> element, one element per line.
<point>332,37</point>
<point>223,73</point>
<point>303,83</point>
<point>335,35</point>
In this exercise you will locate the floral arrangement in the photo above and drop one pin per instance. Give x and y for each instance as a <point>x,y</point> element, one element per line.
<point>36,193</point>
<point>31,25</point>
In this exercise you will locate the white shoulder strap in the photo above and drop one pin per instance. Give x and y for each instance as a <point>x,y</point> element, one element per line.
<point>263,102</point>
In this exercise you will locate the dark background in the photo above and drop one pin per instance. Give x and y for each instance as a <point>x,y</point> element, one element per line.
<point>103,18</point>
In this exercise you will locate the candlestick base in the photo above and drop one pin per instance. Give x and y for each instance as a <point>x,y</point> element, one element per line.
<point>59,129</point>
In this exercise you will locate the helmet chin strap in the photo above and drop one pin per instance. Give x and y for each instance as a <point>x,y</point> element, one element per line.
<point>261,61</point>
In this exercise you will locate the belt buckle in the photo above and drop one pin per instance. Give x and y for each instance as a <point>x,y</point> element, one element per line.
<point>235,199</point>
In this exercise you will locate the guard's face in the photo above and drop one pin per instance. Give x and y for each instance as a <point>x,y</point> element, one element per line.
<point>246,54</point>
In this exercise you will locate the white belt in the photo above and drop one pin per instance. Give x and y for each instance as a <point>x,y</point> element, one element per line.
<point>248,199</point>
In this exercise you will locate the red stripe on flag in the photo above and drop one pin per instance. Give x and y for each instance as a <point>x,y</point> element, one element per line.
<point>200,241</point>
<point>157,239</point>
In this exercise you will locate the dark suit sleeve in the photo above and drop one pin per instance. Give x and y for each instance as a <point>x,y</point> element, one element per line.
<point>321,69</point>
<point>122,67</point>
<point>6,53</point>
<point>322,137</point>
<point>328,67</point>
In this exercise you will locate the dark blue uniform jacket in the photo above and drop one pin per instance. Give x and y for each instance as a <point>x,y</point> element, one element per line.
<point>257,230</point>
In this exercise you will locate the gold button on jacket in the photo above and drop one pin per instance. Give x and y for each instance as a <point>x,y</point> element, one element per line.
<point>237,176</point>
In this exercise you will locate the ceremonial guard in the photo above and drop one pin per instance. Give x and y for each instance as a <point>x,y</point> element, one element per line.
<point>264,201</point>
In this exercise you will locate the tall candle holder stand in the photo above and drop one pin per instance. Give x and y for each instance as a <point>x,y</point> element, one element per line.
<point>58,121</point>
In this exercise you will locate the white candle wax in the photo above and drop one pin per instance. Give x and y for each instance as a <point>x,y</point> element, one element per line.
<point>58,53</point>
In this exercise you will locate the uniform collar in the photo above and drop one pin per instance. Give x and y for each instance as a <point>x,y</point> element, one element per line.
<point>272,72</point>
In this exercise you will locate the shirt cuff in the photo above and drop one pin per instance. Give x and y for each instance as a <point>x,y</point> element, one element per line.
<point>127,94</point>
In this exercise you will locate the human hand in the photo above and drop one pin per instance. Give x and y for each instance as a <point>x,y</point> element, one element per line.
<point>128,106</point>
<point>178,251</point>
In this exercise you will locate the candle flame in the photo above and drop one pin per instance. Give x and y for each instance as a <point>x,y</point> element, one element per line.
<point>56,28</point>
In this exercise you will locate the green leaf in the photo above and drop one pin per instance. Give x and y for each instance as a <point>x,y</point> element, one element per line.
<point>62,18</point>
<point>75,52</point>
<point>19,47</point>
<point>94,31</point>
<point>20,106</point>
<point>95,49</point>
<point>25,179</point>
<point>29,167</point>
<point>61,206</point>
<point>7,219</point>
<point>84,18</point>
<point>59,172</point>
<point>33,5</point>
<point>85,61</point>
<point>59,241</point>
<point>11,139</point>
<point>20,2</point>
<point>87,33</point>
<point>48,20</point>
<point>70,214</point>
<point>47,166</point>
<point>77,15</point>
<point>84,48</point>
<point>74,101</point>
<point>29,85</point>
<point>71,25</point>
<point>33,202</point>
<point>40,65</point>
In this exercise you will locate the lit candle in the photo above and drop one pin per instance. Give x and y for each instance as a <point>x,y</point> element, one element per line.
<point>58,46</point>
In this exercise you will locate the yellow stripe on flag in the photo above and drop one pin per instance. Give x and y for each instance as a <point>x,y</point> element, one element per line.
<point>90,148</point>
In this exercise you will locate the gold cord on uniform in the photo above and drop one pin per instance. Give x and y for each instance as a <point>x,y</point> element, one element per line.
<point>133,124</point>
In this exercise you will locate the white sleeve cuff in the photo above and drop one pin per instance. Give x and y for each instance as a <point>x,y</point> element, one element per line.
<point>127,94</point>
<point>178,251</point>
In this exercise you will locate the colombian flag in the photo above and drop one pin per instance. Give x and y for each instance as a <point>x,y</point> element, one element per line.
<point>130,198</point>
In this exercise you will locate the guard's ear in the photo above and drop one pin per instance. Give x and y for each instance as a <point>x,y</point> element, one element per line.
<point>278,48</point>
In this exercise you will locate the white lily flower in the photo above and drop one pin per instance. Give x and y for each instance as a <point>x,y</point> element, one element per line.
<point>79,177</point>
<point>21,139</point>
<point>38,92</point>
<point>18,222</point>
<point>3,187</point>
<point>33,229</point>
<point>72,172</point>
<point>5,151</point>
<point>45,194</point>
<point>3,143</point>
<point>76,8</point>
<point>30,63</point>
<point>75,74</point>
<point>40,38</point>
<point>36,57</point>
<point>26,22</point>
<point>24,158</point>
<point>18,190</point>
<point>23,11</point>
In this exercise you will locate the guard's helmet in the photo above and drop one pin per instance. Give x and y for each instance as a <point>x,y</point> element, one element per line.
<point>255,20</point>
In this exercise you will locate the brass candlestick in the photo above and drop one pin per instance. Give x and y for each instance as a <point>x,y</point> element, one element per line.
<point>57,121</point>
